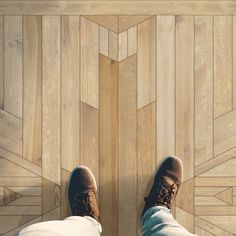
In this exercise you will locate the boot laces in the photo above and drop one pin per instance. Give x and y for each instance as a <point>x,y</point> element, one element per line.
<point>84,204</point>
<point>163,194</point>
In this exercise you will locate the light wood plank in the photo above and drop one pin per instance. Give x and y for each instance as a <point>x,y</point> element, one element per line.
<point>226,169</point>
<point>103,40</point>
<point>110,22</point>
<point>165,86</point>
<point>8,223</point>
<point>10,169</point>
<point>215,181</point>
<point>32,130</point>
<point>226,223</point>
<point>89,62</point>
<point>185,93</point>
<point>234,62</point>
<point>185,219</point>
<point>203,89</point>
<point>70,93</point>
<point>146,151</point>
<point>208,201</point>
<point>100,8</point>
<point>52,215</point>
<point>132,41</point>
<point>65,211</point>
<point>127,146</point>
<point>113,46</point>
<point>20,161</point>
<point>51,196</point>
<point>27,191</point>
<point>202,232</point>
<point>1,62</point>
<point>108,143</point>
<point>123,45</point>
<point>146,62</point>
<point>20,210</point>
<point>13,65</point>
<point>11,132</point>
<point>215,210</point>
<point>208,191</point>
<point>185,199</point>
<point>225,132</point>
<point>23,181</point>
<point>89,144</point>
<point>126,22</point>
<point>51,99</point>
<point>17,230</point>
<point>26,201</point>
<point>222,65</point>
<point>215,161</point>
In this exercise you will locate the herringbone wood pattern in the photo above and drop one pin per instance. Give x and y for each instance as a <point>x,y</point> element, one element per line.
<point>118,94</point>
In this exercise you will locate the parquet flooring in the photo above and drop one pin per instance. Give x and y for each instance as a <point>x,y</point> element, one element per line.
<point>117,93</point>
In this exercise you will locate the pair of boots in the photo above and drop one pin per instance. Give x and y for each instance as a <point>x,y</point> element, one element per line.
<point>82,188</point>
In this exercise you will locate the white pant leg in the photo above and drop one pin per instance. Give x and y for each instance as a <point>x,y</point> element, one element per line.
<point>159,221</point>
<point>71,226</point>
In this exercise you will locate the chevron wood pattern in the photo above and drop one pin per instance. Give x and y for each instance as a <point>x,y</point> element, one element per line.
<point>117,93</point>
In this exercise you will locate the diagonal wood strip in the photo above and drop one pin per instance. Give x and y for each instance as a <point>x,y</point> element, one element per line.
<point>20,161</point>
<point>215,161</point>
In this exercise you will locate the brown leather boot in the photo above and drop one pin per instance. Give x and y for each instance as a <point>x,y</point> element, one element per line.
<point>82,191</point>
<point>166,184</point>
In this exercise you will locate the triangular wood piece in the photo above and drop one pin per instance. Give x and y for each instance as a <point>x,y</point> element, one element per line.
<point>126,22</point>
<point>9,196</point>
<point>226,196</point>
<point>110,22</point>
<point>51,195</point>
<point>185,197</point>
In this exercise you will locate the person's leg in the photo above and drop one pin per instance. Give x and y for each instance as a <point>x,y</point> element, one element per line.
<point>157,218</point>
<point>84,208</point>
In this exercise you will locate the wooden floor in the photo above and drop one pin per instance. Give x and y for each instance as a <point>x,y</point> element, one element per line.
<point>118,94</point>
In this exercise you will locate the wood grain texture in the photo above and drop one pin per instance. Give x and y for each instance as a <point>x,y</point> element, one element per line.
<point>103,40</point>
<point>20,161</point>
<point>91,113</point>
<point>70,92</point>
<point>225,156</point>
<point>165,26</point>
<point>225,132</point>
<point>146,62</point>
<point>65,211</point>
<point>51,196</point>
<point>13,65</point>
<point>32,51</point>
<point>132,41</point>
<point>203,89</point>
<point>113,46</point>
<point>185,93</point>
<point>222,67</point>
<point>146,151</point>
<point>11,132</point>
<point>110,22</point>
<point>126,22</point>
<point>89,126</point>
<point>51,155</point>
<point>1,62</point>
<point>234,62</point>
<point>108,144</point>
<point>89,46</point>
<point>210,227</point>
<point>141,8</point>
<point>123,45</point>
<point>127,146</point>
